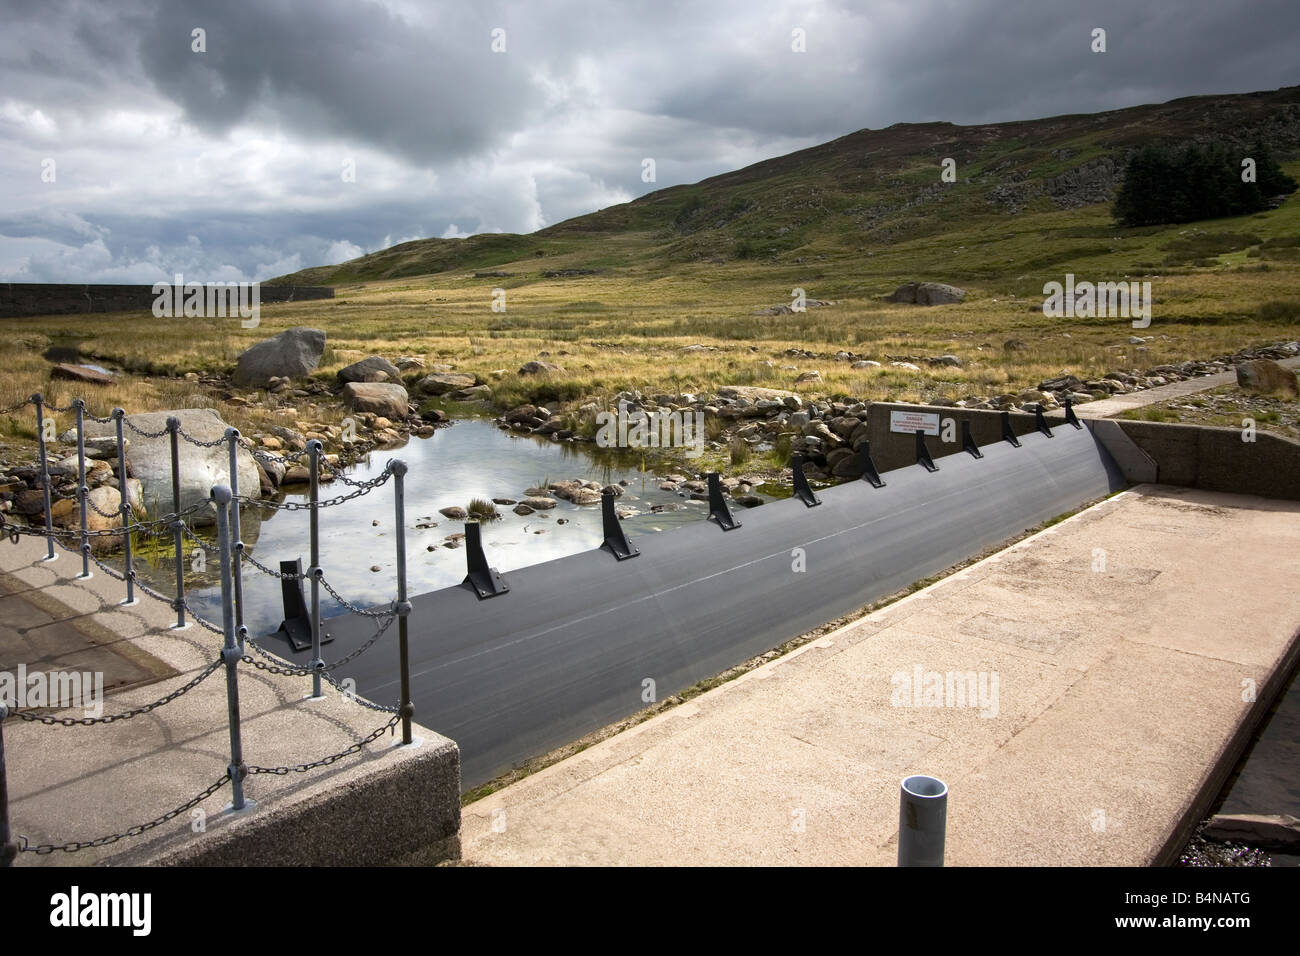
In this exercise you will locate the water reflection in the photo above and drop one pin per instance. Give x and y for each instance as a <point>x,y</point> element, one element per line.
<point>472,459</point>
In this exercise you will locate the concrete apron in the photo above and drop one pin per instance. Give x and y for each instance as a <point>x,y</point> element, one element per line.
<point>1135,646</point>
<point>384,804</point>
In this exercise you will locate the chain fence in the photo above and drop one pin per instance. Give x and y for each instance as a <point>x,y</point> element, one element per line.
<point>232,556</point>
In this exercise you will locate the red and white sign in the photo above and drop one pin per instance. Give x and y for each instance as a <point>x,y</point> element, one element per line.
<point>911,422</point>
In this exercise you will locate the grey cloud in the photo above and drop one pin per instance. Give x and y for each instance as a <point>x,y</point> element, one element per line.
<point>448,132</point>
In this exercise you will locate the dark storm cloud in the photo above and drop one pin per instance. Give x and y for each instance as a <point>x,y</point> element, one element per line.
<point>228,161</point>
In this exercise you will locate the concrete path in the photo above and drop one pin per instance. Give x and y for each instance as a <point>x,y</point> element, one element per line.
<point>75,784</point>
<point>1107,407</point>
<point>1115,649</point>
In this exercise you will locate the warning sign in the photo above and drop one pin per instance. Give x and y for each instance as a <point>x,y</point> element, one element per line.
<point>911,422</point>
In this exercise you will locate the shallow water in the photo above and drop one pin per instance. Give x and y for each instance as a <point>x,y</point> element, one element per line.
<point>471,459</point>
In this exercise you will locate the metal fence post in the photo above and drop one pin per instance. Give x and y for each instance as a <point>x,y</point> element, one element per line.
<point>173,429</point>
<point>230,653</point>
<point>407,709</point>
<point>82,490</point>
<point>128,565</point>
<point>39,401</point>
<point>232,436</point>
<point>8,849</point>
<point>314,572</point>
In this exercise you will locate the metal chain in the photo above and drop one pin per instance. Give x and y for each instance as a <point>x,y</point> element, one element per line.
<point>363,488</point>
<point>335,665</point>
<point>210,548</point>
<point>352,607</point>
<point>44,849</point>
<point>282,575</point>
<point>280,666</point>
<point>143,526</point>
<point>339,476</point>
<point>195,441</point>
<point>126,715</point>
<point>326,761</point>
<point>13,408</point>
<point>141,431</point>
<point>106,514</point>
<point>283,460</point>
<point>203,622</point>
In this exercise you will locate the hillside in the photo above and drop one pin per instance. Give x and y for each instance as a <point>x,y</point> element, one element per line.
<point>857,195</point>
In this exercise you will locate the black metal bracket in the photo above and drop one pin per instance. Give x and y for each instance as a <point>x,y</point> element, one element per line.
<point>296,626</point>
<point>1007,434</point>
<point>968,443</point>
<point>616,542</point>
<point>802,490</point>
<point>1040,421</point>
<point>869,472</point>
<point>718,510</point>
<point>1070,417</point>
<point>485,581</point>
<point>922,453</point>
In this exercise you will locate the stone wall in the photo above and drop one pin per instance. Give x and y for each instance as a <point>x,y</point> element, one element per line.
<point>41,298</point>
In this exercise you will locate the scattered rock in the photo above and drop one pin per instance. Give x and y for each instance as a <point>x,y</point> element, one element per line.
<point>376,368</point>
<point>291,354</point>
<point>381,398</point>
<point>439,383</point>
<point>1267,377</point>
<point>454,512</point>
<point>79,373</point>
<point>538,368</point>
<point>927,293</point>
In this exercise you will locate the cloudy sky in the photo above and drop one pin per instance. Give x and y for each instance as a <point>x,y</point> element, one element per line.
<point>310,131</point>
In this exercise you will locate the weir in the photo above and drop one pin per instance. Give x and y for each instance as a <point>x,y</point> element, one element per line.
<point>582,641</point>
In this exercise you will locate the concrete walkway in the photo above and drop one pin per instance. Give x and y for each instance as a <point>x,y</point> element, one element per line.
<point>76,784</point>
<point>1116,648</point>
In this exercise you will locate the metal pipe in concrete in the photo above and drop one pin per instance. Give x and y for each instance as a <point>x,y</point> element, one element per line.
<point>922,821</point>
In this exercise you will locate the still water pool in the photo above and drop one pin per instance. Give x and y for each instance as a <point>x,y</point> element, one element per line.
<point>471,459</point>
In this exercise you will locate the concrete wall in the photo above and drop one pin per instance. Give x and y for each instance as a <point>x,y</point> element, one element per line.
<point>1216,459</point>
<point>401,807</point>
<point>38,298</point>
<point>1195,456</point>
<point>890,450</point>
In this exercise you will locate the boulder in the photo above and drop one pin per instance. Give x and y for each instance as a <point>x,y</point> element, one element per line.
<point>754,393</point>
<point>150,460</point>
<point>374,368</point>
<point>382,398</point>
<point>291,354</point>
<point>927,293</point>
<point>454,512</point>
<point>79,373</point>
<point>439,383</point>
<point>538,368</point>
<point>1267,377</point>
